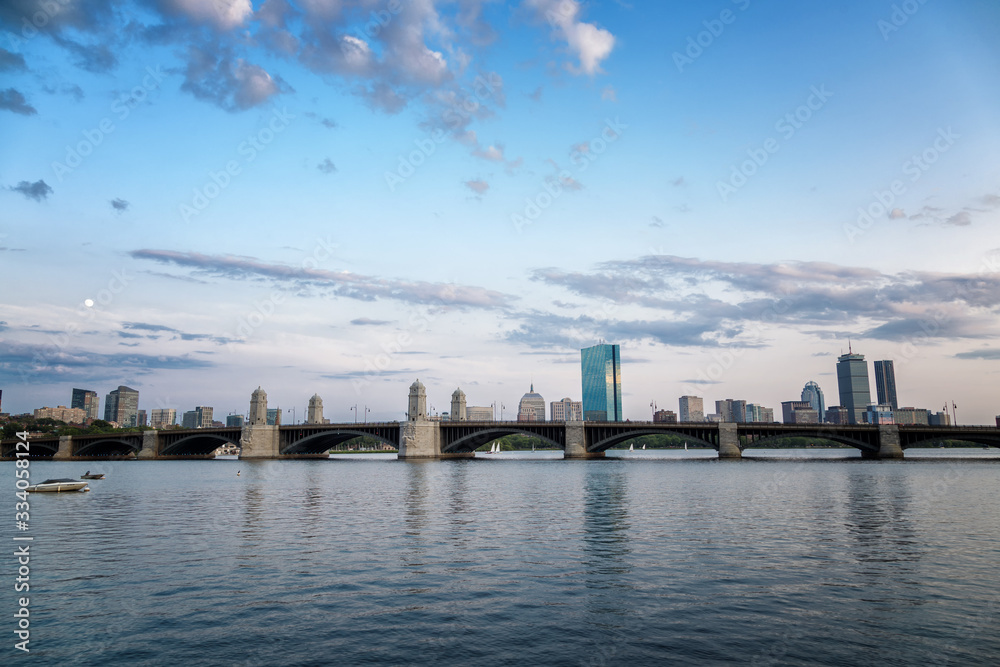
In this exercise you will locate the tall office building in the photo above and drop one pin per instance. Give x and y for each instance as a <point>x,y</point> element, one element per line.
<point>531,408</point>
<point>692,409</point>
<point>140,419</point>
<point>87,400</point>
<point>885,384</point>
<point>731,410</point>
<point>600,370</point>
<point>122,406</point>
<point>852,380</point>
<point>814,395</point>
<point>566,410</point>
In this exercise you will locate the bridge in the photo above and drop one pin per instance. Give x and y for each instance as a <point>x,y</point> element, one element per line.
<point>421,437</point>
<point>427,439</point>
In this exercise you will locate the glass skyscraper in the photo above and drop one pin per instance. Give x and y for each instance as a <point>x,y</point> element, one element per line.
<point>814,395</point>
<point>885,384</point>
<point>600,369</point>
<point>852,380</point>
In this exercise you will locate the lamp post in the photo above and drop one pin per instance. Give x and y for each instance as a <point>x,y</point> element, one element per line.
<point>355,409</point>
<point>366,414</point>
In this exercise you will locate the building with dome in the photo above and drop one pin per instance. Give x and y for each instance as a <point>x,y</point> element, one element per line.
<point>812,394</point>
<point>532,407</point>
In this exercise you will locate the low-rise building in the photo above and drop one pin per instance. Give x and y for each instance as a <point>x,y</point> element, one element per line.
<point>665,417</point>
<point>911,416</point>
<point>63,414</point>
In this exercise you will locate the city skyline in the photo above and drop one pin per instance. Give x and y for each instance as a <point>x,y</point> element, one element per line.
<point>853,383</point>
<point>194,203</point>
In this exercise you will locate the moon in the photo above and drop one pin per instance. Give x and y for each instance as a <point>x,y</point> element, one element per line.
<point>89,303</point>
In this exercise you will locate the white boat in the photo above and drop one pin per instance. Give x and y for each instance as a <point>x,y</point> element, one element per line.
<point>685,445</point>
<point>631,448</point>
<point>58,486</point>
<point>644,446</point>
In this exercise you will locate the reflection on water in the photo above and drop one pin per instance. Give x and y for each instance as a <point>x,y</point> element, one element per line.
<point>519,560</point>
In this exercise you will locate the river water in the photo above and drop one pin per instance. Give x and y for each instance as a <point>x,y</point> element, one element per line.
<point>650,558</point>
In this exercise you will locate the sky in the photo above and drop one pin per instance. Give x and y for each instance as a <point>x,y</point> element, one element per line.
<point>339,197</point>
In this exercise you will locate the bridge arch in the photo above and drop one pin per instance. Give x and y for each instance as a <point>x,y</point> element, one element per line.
<point>472,441</point>
<point>109,446</point>
<point>756,442</point>
<point>608,442</point>
<point>196,444</point>
<point>317,443</point>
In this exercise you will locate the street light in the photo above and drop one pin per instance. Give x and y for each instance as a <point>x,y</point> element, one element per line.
<point>294,420</point>
<point>355,408</point>
<point>366,414</point>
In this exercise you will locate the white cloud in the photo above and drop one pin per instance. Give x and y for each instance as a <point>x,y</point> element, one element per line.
<point>590,44</point>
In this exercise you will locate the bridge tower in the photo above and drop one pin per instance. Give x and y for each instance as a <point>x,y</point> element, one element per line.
<point>419,437</point>
<point>315,410</point>
<point>258,440</point>
<point>258,407</point>
<point>458,413</point>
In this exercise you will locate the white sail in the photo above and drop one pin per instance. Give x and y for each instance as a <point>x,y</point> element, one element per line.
<point>631,448</point>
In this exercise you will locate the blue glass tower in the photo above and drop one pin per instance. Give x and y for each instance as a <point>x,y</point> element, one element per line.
<point>600,369</point>
<point>885,383</point>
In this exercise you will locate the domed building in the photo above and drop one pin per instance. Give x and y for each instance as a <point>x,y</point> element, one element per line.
<point>532,407</point>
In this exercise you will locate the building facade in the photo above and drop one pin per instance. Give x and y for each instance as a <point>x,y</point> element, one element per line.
<point>731,410</point>
<point>566,410</point>
<point>837,415</point>
<point>885,384</point>
<point>162,417</point>
<point>86,400</point>
<point>122,406</point>
<point>692,409</point>
<point>63,414</point>
<point>531,407</point>
<point>814,395</point>
<point>798,412</point>
<point>235,421</point>
<point>600,371</point>
<point>878,414</point>
<point>665,417</point>
<point>852,381</point>
<point>477,413</point>
<point>916,416</point>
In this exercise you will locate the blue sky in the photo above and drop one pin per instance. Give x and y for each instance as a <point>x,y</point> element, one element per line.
<point>294,195</point>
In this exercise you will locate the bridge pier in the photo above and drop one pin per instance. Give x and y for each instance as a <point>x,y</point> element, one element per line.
<point>729,442</point>
<point>260,441</point>
<point>888,444</point>
<point>65,450</point>
<point>150,445</point>
<point>576,443</point>
<point>420,439</point>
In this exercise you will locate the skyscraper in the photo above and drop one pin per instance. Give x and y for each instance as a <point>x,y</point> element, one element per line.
<point>531,407</point>
<point>122,406</point>
<point>885,383</point>
<point>692,409</point>
<point>600,370</point>
<point>814,395</point>
<point>87,401</point>
<point>852,380</point>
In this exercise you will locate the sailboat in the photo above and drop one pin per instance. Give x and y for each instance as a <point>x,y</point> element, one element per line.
<point>685,445</point>
<point>644,445</point>
<point>631,448</point>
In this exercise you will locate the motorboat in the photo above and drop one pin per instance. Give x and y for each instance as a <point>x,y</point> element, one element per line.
<point>58,486</point>
<point>89,475</point>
